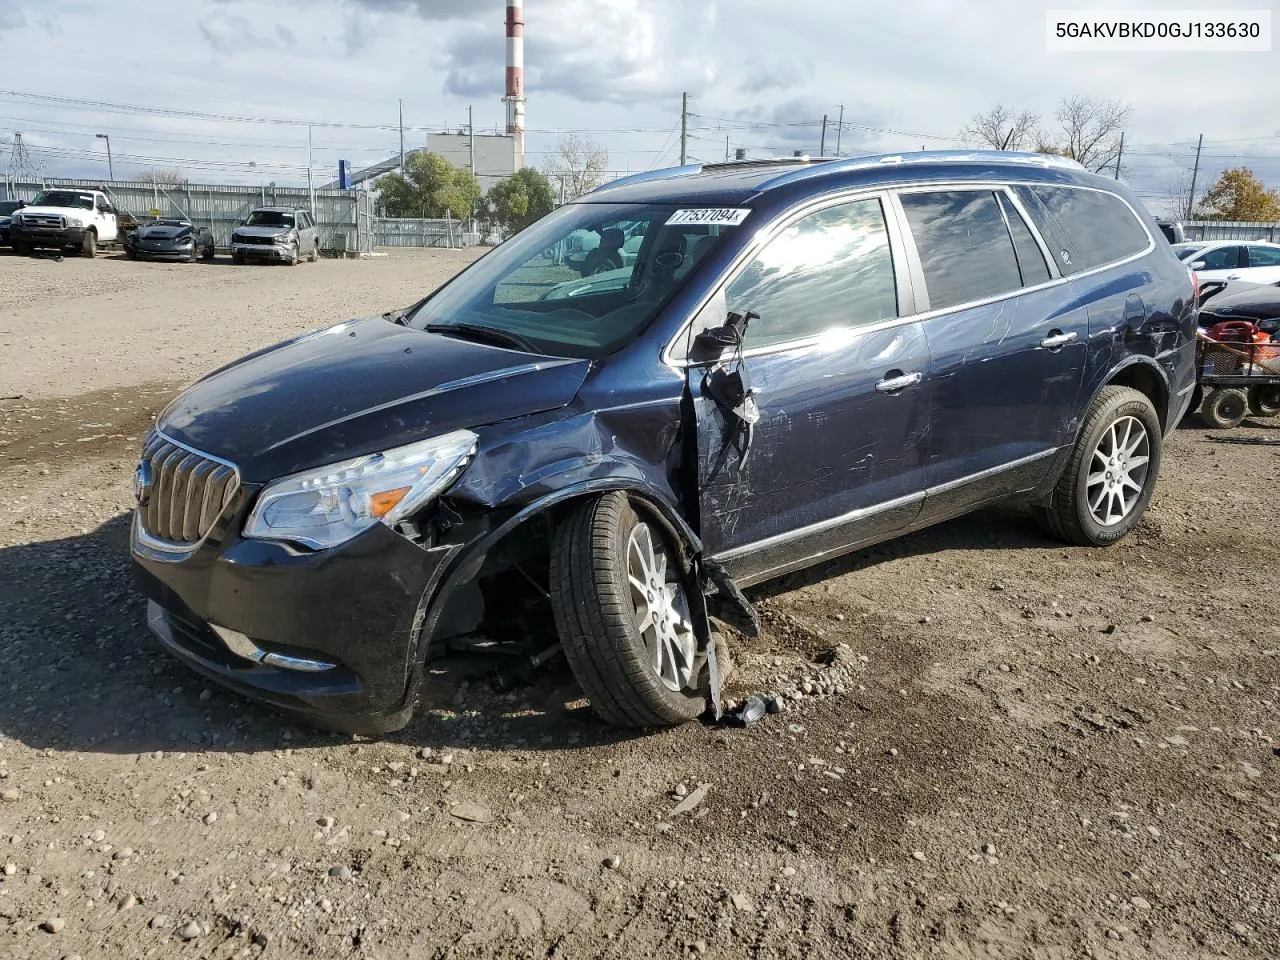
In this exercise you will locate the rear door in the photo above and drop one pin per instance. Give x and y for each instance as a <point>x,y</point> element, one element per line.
<point>1264,264</point>
<point>1007,345</point>
<point>836,457</point>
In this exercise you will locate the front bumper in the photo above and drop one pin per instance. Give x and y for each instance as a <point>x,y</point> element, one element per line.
<point>359,607</point>
<point>47,238</point>
<point>171,253</point>
<point>262,251</point>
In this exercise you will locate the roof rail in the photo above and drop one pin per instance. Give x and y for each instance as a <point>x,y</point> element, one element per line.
<point>662,174</point>
<point>766,162</point>
<point>925,156</point>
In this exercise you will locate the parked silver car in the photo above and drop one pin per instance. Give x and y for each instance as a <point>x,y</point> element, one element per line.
<point>276,233</point>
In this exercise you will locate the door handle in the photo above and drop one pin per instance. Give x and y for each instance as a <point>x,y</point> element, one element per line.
<point>1057,339</point>
<point>898,382</point>
<point>1233,276</point>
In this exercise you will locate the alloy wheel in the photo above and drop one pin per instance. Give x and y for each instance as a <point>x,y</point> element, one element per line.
<point>660,609</point>
<point>1118,471</point>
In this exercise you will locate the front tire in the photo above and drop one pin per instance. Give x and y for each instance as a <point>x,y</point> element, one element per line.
<point>89,246</point>
<point>1108,480</point>
<point>1224,409</point>
<point>620,606</point>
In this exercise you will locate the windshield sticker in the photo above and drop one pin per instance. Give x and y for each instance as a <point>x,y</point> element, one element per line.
<point>723,216</point>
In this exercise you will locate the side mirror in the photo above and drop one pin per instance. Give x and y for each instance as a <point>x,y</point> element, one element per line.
<point>711,343</point>
<point>1198,265</point>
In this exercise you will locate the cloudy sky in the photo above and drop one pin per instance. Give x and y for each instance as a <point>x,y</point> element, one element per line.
<point>156,77</point>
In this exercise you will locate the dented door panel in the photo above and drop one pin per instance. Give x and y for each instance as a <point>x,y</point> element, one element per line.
<point>833,461</point>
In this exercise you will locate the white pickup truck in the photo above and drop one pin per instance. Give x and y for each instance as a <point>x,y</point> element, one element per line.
<point>73,220</point>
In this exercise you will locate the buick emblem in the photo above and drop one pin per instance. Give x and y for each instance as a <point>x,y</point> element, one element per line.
<point>142,480</point>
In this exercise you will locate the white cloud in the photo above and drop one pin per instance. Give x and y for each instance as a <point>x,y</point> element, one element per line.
<point>920,66</point>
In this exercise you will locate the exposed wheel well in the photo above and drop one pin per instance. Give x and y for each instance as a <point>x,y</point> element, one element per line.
<point>1142,378</point>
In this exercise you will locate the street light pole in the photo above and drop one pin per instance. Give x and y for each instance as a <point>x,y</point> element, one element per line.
<point>111,170</point>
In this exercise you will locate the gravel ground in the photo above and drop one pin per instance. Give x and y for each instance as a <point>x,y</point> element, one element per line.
<point>1007,747</point>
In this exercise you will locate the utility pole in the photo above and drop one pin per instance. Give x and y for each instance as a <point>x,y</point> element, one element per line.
<point>822,144</point>
<point>726,146</point>
<point>311,190</point>
<point>111,170</point>
<point>471,160</point>
<point>684,129</point>
<point>401,99</point>
<point>839,129</point>
<point>1119,154</point>
<point>1195,171</point>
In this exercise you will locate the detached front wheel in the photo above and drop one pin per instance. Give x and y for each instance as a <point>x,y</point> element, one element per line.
<point>1109,479</point>
<point>622,611</point>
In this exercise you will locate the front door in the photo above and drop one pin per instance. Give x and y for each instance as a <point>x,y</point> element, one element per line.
<point>835,459</point>
<point>1008,347</point>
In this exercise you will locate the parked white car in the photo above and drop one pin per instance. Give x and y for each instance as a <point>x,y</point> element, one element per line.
<point>1254,260</point>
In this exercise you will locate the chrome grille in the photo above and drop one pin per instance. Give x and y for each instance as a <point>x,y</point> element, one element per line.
<point>188,491</point>
<point>43,221</point>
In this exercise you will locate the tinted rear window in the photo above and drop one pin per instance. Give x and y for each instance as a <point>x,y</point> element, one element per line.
<point>964,246</point>
<point>1100,228</point>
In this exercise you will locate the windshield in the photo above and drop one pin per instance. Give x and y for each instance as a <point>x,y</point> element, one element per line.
<point>580,282</point>
<point>269,218</point>
<point>63,198</point>
<point>1184,253</point>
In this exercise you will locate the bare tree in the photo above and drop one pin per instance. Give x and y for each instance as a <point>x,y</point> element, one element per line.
<point>170,177</point>
<point>1001,129</point>
<point>1089,131</point>
<point>1178,199</point>
<point>578,163</point>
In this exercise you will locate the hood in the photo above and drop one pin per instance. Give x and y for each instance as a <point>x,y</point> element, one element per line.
<point>358,388</point>
<point>1256,302</point>
<point>262,231</point>
<point>157,231</point>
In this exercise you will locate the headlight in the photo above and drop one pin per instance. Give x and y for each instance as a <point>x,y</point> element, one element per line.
<point>282,237</point>
<point>328,506</point>
<point>74,222</point>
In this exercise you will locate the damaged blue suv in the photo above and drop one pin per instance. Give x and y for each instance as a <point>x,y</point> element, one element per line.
<point>801,359</point>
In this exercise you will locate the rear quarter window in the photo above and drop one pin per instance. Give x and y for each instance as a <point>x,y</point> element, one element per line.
<point>1084,228</point>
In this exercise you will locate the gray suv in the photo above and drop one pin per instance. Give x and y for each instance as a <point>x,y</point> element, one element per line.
<point>276,233</point>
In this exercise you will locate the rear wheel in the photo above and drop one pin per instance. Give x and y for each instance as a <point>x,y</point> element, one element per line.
<point>89,246</point>
<point>623,616</point>
<point>314,255</point>
<point>1107,483</point>
<point>1264,401</point>
<point>1225,408</point>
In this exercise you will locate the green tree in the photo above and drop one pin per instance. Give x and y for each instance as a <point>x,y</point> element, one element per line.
<point>430,186</point>
<point>1239,195</point>
<point>520,199</point>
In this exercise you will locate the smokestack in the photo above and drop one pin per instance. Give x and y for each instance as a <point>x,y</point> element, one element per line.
<point>515,77</point>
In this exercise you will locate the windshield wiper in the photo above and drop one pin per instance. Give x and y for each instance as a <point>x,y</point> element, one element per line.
<point>504,338</point>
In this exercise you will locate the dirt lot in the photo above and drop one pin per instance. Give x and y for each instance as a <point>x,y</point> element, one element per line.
<point>1024,750</point>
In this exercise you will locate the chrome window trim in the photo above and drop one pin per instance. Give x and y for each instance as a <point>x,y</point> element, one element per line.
<point>918,292</point>
<point>169,550</point>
